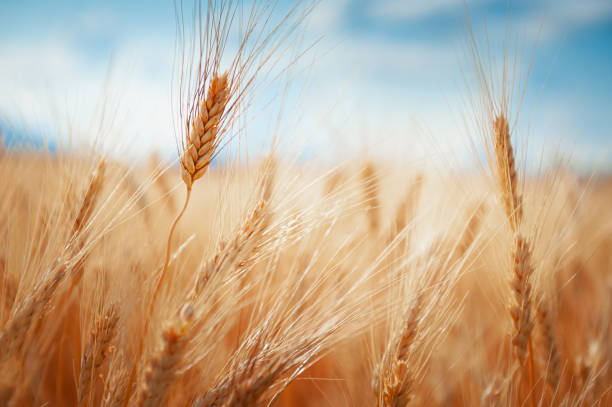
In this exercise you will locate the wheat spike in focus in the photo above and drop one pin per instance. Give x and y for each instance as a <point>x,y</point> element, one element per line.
<point>201,137</point>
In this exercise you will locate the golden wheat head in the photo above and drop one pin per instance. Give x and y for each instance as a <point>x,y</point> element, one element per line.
<point>201,138</point>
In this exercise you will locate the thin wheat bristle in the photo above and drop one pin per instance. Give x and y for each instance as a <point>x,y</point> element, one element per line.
<point>471,230</point>
<point>201,138</point>
<point>97,350</point>
<point>162,183</point>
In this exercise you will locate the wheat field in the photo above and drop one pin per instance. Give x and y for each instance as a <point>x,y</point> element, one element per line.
<point>290,283</point>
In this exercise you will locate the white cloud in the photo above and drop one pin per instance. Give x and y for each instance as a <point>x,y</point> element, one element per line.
<point>327,15</point>
<point>49,85</point>
<point>579,13</point>
<point>555,20</point>
<point>409,10</point>
<point>97,20</point>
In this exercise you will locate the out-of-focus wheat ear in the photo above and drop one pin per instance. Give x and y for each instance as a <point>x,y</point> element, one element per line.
<point>99,346</point>
<point>395,383</point>
<point>161,370</point>
<point>247,387</point>
<point>409,330</point>
<point>201,138</point>
<point>78,236</point>
<point>521,310</point>
<point>553,371</point>
<point>267,173</point>
<point>15,331</point>
<point>115,387</point>
<point>239,251</point>
<point>89,200</point>
<point>371,190</point>
<point>506,171</point>
<point>6,392</point>
<point>214,397</point>
<point>8,289</point>
<point>408,207</point>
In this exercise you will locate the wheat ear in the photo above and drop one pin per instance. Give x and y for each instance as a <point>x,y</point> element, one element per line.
<point>98,348</point>
<point>247,384</point>
<point>396,380</point>
<point>14,333</point>
<point>521,311</point>
<point>16,329</point>
<point>506,172</point>
<point>238,251</point>
<point>507,180</point>
<point>161,370</point>
<point>89,200</point>
<point>553,375</point>
<point>371,195</point>
<point>8,288</point>
<point>201,139</point>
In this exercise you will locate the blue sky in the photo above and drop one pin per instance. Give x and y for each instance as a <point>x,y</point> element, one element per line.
<point>384,74</point>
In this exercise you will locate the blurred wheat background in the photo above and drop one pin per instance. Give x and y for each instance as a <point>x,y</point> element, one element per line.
<point>232,203</point>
